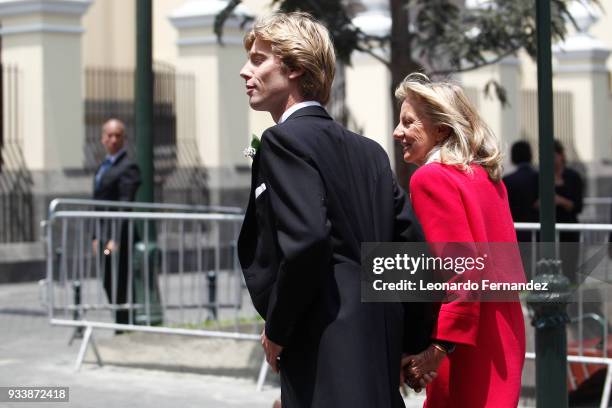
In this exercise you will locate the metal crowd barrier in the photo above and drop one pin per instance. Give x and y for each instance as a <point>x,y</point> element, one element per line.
<point>605,397</point>
<point>183,276</point>
<point>85,204</point>
<point>596,210</point>
<point>179,271</point>
<point>589,327</point>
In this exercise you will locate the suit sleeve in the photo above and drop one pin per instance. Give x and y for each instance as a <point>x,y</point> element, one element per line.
<point>297,200</point>
<point>439,207</point>
<point>129,181</point>
<point>407,227</point>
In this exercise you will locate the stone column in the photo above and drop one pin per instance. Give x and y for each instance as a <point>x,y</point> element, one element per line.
<point>42,38</point>
<point>222,105</point>
<point>581,69</point>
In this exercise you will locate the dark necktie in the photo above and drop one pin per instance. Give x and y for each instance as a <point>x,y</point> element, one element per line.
<point>106,164</point>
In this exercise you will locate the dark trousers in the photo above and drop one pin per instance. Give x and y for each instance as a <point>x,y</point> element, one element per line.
<point>120,280</point>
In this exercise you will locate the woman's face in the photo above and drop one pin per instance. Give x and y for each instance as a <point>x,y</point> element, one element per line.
<point>416,133</point>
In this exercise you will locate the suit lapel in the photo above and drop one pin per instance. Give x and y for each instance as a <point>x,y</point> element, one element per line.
<point>248,231</point>
<point>108,174</point>
<point>254,174</point>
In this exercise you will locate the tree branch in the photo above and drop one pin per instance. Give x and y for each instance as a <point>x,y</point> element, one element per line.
<point>222,17</point>
<point>476,66</point>
<point>370,52</point>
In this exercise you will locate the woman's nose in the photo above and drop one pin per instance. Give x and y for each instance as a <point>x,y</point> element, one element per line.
<point>398,134</point>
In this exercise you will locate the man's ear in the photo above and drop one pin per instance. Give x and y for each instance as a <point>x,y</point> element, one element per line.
<point>296,73</point>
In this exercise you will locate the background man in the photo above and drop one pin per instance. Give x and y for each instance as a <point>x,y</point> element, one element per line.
<point>116,179</point>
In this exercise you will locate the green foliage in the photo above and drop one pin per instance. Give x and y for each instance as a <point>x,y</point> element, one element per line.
<point>334,16</point>
<point>465,39</point>
<point>442,37</point>
<point>255,142</point>
<point>223,15</point>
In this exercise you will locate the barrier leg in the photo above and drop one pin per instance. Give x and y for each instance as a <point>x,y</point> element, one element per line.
<point>263,371</point>
<point>605,398</point>
<point>86,339</point>
<point>94,348</point>
<point>78,331</point>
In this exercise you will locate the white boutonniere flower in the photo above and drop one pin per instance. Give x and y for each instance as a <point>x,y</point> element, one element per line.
<point>252,149</point>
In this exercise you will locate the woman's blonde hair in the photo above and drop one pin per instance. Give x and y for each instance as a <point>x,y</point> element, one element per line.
<point>301,43</point>
<point>470,140</point>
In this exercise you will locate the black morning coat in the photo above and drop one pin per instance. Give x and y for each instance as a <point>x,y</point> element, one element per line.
<point>317,192</point>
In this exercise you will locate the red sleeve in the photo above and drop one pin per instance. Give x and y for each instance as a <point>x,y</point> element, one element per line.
<point>440,210</point>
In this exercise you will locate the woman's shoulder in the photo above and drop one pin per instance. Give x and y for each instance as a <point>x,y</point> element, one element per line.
<point>439,175</point>
<point>433,175</point>
<point>434,169</point>
<point>437,171</point>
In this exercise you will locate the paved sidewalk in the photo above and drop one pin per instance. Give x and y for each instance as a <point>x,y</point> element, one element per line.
<point>32,353</point>
<point>139,371</point>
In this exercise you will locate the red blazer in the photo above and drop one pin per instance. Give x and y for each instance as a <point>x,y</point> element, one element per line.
<point>485,370</point>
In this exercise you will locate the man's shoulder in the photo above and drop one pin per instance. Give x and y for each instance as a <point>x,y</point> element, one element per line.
<point>125,163</point>
<point>521,172</point>
<point>312,130</point>
<point>513,176</point>
<point>124,158</point>
<point>304,123</point>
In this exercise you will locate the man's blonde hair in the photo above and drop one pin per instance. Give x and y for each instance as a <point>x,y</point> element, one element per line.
<point>470,140</point>
<point>301,43</point>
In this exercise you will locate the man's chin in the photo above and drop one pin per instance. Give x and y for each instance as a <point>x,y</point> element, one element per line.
<point>256,105</point>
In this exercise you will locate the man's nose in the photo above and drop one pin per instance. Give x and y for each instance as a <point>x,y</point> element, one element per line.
<point>245,73</point>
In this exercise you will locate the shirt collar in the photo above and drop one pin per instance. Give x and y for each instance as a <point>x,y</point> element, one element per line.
<point>296,107</point>
<point>434,156</point>
<point>114,157</point>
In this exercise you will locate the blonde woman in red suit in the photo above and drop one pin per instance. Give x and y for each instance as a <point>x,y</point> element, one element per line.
<point>478,348</point>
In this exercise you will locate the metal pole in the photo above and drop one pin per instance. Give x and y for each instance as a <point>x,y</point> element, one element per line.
<point>545,126</point>
<point>550,317</point>
<point>144,135</point>
<point>144,98</point>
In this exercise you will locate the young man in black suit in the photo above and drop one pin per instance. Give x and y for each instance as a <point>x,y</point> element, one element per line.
<point>317,192</point>
<point>117,179</point>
